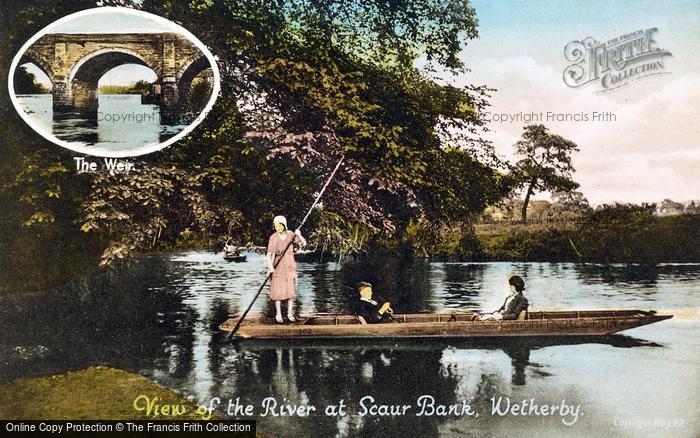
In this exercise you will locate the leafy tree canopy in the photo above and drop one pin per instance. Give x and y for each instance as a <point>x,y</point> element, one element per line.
<point>303,82</point>
<point>545,162</point>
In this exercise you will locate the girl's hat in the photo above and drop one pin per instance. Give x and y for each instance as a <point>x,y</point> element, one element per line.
<point>280,220</point>
<point>517,281</point>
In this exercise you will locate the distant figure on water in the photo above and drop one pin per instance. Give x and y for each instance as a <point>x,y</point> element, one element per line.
<point>229,248</point>
<point>283,283</point>
<point>369,309</point>
<point>514,303</point>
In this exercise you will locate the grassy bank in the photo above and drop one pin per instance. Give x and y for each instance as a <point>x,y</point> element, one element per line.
<point>632,236</point>
<point>535,242</point>
<point>612,234</point>
<point>91,394</point>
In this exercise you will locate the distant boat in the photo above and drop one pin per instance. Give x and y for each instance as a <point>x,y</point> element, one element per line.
<point>447,325</point>
<point>234,255</point>
<point>307,255</point>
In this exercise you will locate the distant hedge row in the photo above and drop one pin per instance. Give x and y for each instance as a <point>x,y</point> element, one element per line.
<point>613,234</point>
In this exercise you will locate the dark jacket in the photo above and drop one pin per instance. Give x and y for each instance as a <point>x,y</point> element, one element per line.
<point>370,312</point>
<point>516,305</point>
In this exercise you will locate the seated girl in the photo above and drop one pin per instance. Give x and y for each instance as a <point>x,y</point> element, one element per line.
<point>514,303</point>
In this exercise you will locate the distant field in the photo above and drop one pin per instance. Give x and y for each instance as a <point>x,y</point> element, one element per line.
<point>119,89</point>
<point>505,227</point>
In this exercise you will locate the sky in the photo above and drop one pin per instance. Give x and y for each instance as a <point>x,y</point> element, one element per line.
<point>650,150</point>
<point>111,21</point>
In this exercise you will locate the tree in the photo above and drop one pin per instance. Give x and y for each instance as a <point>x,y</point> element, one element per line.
<point>316,80</point>
<point>303,81</point>
<point>25,82</point>
<point>670,207</point>
<point>141,85</point>
<point>544,164</point>
<point>571,205</point>
<point>572,199</point>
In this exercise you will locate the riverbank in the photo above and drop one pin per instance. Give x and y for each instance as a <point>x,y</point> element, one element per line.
<point>95,393</point>
<point>632,236</point>
<point>617,234</point>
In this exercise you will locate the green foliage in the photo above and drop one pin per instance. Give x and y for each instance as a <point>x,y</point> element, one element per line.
<point>199,95</point>
<point>427,239</point>
<point>333,233</point>
<point>565,208</point>
<point>624,232</point>
<point>328,76</point>
<point>40,244</point>
<point>39,186</point>
<point>135,88</point>
<point>612,234</point>
<point>391,119</point>
<point>153,206</point>
<point>458,186</point>
<point>25,83</point>
<point>298,67</point>
<point>515,243</point>
<point>544,164</point>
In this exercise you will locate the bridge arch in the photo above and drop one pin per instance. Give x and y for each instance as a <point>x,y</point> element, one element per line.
<point>82,79</point>
<point>186,75</point>
<point>43,66</point>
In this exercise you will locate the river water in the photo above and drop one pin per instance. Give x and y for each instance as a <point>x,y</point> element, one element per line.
<point>159,317</point>
<point>122,123</point>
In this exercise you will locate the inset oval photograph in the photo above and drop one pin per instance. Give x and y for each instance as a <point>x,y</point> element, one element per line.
<point>113,82</point>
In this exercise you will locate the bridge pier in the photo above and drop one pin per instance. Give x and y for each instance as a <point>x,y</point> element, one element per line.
<point>84,95</point>
<point>169,97</point>
<point>169,101</point>
<point>61,95</point>
<point>70,99</point>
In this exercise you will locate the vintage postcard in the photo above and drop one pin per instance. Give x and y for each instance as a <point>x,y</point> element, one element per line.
<point>349,218</point>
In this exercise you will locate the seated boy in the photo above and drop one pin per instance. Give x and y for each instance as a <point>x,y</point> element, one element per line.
<point>369,309</point>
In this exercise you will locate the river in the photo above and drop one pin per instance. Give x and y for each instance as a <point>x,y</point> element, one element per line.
<point>121,124</point>
<point>159,317</point>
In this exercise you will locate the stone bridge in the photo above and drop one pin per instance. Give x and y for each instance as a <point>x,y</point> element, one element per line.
<point>75,62</point>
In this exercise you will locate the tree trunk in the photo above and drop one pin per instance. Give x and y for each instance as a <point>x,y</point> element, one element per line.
<point>523,216</point>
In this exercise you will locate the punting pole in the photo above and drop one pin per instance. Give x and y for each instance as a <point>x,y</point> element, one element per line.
<point>267,278</point>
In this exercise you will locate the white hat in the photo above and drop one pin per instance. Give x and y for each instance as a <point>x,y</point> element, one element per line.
<point>280,220</point>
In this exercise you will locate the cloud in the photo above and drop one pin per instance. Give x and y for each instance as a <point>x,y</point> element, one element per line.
<point>644,148</point>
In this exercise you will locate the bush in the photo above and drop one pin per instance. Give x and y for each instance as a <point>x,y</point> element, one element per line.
<point>618,233</point>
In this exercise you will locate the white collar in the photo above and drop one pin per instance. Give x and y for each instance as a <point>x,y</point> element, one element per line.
<point>368,300</point>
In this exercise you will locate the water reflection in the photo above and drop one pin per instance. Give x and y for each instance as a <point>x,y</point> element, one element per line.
<point>463,285</point>
<point>120,123</point>
<point>393,373</point>
<point>622,274</point>
<point>159,317</point>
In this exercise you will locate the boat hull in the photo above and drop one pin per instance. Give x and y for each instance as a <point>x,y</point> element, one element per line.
<point>448,325</point>
<point>235,258</point>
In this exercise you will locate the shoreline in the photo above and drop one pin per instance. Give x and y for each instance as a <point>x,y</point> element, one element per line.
<point>95,393</point>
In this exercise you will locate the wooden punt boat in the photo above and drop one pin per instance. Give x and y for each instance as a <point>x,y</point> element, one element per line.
<point>447,325</point>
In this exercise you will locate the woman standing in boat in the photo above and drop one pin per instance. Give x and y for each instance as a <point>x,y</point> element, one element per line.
<point>283,283</point>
